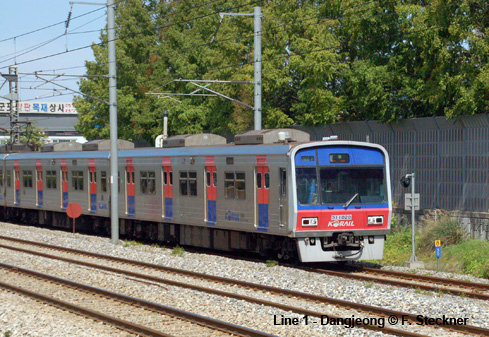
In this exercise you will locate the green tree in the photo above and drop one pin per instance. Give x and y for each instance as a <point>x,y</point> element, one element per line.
<point>33,136</point>
<point>324,61</point>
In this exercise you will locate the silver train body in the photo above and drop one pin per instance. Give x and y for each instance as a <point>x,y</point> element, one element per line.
<point>268,193</point>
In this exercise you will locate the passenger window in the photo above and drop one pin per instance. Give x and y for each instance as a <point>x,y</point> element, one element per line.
<point>9,178</point>
<point>258,180</point>
<point>51,179</point>
<point>27,178</point>
<point>77,180</point>
<point>235,185</point>
<point>103,180</point>
<point>188,183</point>
<point>147,182</point>
<point>229,185</point>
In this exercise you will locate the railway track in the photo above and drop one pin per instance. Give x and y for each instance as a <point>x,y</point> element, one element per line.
<point>409,280</point>
<point>129,313</point>
<point>213,281</point>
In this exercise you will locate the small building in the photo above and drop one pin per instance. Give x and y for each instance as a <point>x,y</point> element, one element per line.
<point>56,119</point>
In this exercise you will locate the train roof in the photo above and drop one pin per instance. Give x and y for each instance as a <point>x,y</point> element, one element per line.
<point>216,150</point>
<point>160,152</point>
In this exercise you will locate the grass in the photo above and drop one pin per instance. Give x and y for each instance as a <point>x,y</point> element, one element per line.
<point>272,263</point>
<point>458,254</point>
<point>178,251</point>
<point>130,243</point>
<point>7,333</point>
<point>369,284</point>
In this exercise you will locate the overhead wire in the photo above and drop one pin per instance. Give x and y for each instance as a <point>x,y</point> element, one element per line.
<point>222,40</point>
<point>117,38</point>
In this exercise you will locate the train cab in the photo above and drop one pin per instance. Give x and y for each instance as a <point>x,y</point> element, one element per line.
<point>341,201</point>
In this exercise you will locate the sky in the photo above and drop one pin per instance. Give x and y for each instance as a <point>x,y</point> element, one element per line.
<point>31,51</point>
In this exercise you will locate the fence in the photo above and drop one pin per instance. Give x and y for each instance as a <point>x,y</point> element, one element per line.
<point>450,158</point>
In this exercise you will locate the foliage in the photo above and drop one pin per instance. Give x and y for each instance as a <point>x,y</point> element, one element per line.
<point>178,251</point>
<point>323,62</point>
<point>445,229</point>
<point>474,256</point>
<point>397,248</point>
<point>33,136</point>
<point>272,263</point>
<point>130,243</point>
<point>458,255</point>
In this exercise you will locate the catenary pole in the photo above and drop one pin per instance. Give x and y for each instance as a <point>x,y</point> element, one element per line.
<point>258,88</point>
<point>413,210</point>
<point>114,203</point>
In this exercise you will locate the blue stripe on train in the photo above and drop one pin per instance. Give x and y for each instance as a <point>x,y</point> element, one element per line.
<point>65,200</point>
<point>211,212</point>
<point>39,199</point>
<point>263,217</point>
<point>93,203</point>
<point>130,205</point>
<point>168,208</point>
<point>17,197</point>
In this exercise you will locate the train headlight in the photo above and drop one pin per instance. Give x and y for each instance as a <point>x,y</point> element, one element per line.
<point>375,220</point>
<point>309,222</point>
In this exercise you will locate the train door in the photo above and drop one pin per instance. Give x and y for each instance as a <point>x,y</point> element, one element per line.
<point>262,186</point>
<point>92,186</point>
<point>16,182</point>
<point>167,191</point>
<point>64,184</point>
<point>129,187</point>
<point>283,197</point>
<point>39,184</point>
<point>210,191</point>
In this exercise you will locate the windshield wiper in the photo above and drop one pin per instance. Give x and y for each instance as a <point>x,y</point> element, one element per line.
<point>345,206</point>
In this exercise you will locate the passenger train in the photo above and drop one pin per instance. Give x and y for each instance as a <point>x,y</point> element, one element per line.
<point>271,192</point>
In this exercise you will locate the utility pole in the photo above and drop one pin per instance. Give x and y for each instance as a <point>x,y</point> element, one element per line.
<point>257,14</point>
<point>13,98</point>
<point>258,89</point>
<point>114,208</point>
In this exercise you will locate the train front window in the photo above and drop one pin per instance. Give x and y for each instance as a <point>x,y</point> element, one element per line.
<point>307,189</point>
<point>337,186</point>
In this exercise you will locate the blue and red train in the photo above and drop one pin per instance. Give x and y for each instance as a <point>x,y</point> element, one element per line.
<point>272,192</point>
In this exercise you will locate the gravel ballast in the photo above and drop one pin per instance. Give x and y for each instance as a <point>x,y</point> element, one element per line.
<point>53,322</point>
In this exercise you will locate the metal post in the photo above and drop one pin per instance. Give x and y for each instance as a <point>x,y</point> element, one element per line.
<point>13,97</point>
<point>165,124</point>
<point>413,256</point>
<point>257,40</point>
<point>114,204</point>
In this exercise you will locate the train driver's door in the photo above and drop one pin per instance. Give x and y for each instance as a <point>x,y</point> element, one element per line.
<point>129,188</point>
<point>283,204</point>
<point>262,186</point>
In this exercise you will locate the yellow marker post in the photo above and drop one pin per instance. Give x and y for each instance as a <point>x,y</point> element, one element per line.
<point>437,252</point>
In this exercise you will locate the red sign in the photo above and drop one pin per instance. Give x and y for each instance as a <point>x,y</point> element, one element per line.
<point>74,210</point>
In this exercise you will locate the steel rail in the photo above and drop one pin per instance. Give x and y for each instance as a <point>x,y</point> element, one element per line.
<point>408,279</point>
<point>291,293</point>
<point>180,314</point>
<point>122,324</point>
<point>433,279</point>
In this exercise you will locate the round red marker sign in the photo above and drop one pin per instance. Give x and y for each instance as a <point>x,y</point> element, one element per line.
<point>74,210</point>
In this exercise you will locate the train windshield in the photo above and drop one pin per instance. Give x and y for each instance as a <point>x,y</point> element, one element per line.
<point>345,186</point>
